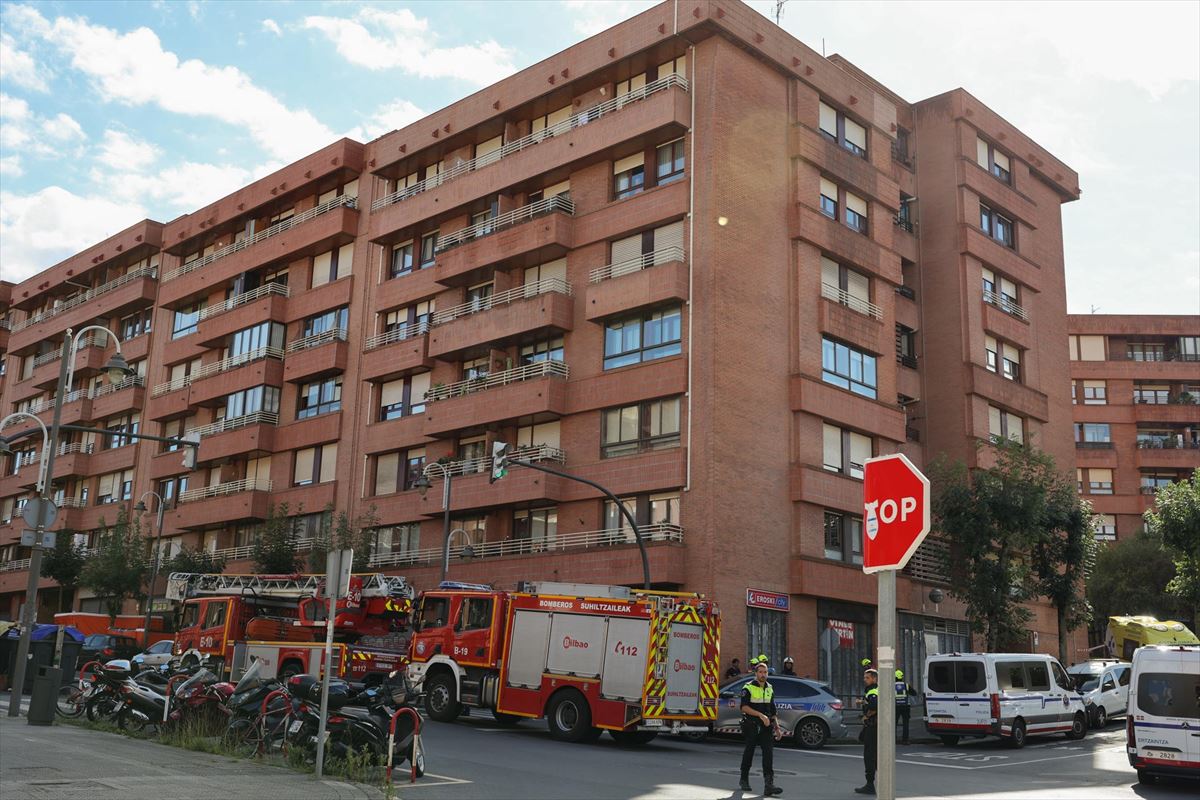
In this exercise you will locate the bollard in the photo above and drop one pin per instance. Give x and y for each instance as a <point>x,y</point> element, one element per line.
<point>412,761</point>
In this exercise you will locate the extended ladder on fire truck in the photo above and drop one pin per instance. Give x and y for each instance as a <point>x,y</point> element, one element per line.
<point>185,585</point>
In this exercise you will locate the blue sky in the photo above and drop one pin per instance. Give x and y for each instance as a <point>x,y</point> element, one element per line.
<point>111,112</point>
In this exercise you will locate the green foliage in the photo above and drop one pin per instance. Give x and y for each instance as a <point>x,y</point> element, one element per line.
<point>117,569</point>
<point>190,559</point>
<point>321,547</point>
<point>1015,530</point>
<point>274,550</point>
<point>358,535</point>
<point>1131,577</point>
<point>1176,521</point>
<point>64,564</point>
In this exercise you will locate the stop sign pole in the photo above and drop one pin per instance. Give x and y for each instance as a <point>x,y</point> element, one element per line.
<point>896,520</point>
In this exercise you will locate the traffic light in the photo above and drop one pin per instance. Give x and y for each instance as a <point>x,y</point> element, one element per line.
<point>499,461</point>
<point>190,450</point>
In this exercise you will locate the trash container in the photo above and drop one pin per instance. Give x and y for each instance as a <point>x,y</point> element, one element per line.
<point>45,694</point>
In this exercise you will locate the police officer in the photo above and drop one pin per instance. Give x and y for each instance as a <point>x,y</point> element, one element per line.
<point>902,704</point>
<point>789,666</point>
<point>870,732</point>
<point>760,727</point>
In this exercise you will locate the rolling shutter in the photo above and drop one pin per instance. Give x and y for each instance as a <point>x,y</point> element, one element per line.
<point>668,236</point>
<point>829,120</point>
<point>981,153</point>
<point>856,204</point>
<point>420,385</point>
<point>329,454</point>
<point>628,163</point>
<point>627,249</point>
<point>856,134</point>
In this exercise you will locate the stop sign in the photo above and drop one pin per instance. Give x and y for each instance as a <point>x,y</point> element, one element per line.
<point>895,511</point>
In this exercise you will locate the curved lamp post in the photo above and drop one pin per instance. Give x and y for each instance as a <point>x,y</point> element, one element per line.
<point>422,485</point>
<point>141,509</point>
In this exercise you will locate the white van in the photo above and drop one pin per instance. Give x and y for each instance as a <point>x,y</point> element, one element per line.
<point>1162,732</point>
<point>1106,695</point>
<point>1010,695</point>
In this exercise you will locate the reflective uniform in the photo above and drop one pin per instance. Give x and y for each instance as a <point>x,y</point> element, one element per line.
<point>755,733</point>
<point>903,711</point>
<point>870,733</point>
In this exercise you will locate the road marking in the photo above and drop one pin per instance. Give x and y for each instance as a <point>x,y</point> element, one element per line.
<point>955,766</point>
<point>445,780</point>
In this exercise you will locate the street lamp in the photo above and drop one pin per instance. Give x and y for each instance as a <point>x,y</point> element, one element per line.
<point>141,509</point>
<point>422,485</point>
<point>6,449</point>
<point>117,370</point>
<point>467,553</point>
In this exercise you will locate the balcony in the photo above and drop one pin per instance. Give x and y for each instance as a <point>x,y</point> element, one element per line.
<point>319,354</point>
<point>842,297</point>
<point>632,284</point>
<point>1014,396</point>
<point>1004,304</point>
<point>806,222</point>
<point>544,228</point>
<point>109,299</point>
<point>112,398</point>
<point>1175,453</point>
<point>248,498</point>
<point>216,368</point>
<point>1093,445</point>
<point>213,326</point>
<point>246,551</point>
<point>537,388</point>
<point>397,352</point>
<point>535,306</point>
<point>473,490</point>
<point>254,432</point>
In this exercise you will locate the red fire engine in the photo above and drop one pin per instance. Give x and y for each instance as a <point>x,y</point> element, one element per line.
<point>280,619</point>
<point>588,658</point>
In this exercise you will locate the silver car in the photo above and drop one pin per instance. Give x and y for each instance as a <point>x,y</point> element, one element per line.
<point>809,714</point>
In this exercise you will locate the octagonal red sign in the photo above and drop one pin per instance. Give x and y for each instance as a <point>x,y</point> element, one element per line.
<point>895,511</point>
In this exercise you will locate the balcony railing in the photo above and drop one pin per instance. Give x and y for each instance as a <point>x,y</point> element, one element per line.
<point>837,295</point>
<point>217,367</point>
<point>318,339</point>
<point>906,291</point>
<point>91,340</point>
<point>86,297</point>
<point>902,222</point>
<point>222,489</point>
<point>15,566</point>
<point>560,203</point>
<point>242,552</point>
<point>234,423</point>
<point>532,289</point>
<point>1167,444</point>
<point>526,372</point>
<point>517,145</point>
<point>901,155</point>
<point>71,502</point>
<point>67,448</point>
<point>474,466</point>
<point>1093,445</point>
<point>125,383</point>
<point>266,233</point>
<point>658,532</point>
<point>1004,304</point>
<point>408,330</point>
<point>242,299</point>
<point>906,360</point>
<point>928,564</point>
<point>666,254</point>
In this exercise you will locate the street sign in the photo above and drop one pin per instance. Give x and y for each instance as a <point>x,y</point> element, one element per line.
<point>33,508</point>
<point>337,573</point>
<point>758,598</point>
<point>895,511</point>
<point>49,538</point>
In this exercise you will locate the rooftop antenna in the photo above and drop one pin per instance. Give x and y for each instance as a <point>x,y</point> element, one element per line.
<point>779,4</point>
<point>822,47</point>
<point>1095,308</point>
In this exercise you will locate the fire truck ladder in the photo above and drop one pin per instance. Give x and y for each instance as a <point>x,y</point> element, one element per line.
<point>182,585</point>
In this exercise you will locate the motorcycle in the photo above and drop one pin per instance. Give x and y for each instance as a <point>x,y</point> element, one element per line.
<point>199,700</point>
<point>247,727</point>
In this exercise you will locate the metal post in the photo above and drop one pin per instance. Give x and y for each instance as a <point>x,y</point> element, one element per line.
<point>325,679</point>
<point>445,523</point>
<point>153,572</point>
<point>29,616</point>
<point>886,729</point>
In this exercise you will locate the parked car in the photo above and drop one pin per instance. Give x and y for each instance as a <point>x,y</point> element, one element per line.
<point>1106,695</point>
<point>107,646</point>
<point>1084,671</point>
<point>155,655</point>
<point>809,714</point>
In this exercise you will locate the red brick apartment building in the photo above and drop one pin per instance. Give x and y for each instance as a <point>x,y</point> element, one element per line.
<point>846,274</point>
<point>1135,383</point>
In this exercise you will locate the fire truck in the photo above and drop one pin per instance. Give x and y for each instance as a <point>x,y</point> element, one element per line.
<point>281,621</point>
<point>588,658</point>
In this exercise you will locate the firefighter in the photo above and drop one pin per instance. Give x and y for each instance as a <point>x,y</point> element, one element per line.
<point>870,731</point>
<point>760,727</point>
<point>903,711</point>
<point>789,666</point>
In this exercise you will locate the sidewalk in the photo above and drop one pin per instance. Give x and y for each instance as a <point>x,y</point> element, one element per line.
<point>64,762</point>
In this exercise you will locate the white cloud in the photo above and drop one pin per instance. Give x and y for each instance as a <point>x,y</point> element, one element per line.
<point>26,132</point>
<point>134,69</point>
<point>10,167</point>
<point>179,187</point>
<point>40,229</point>
<point>271,26</point>
<point>592,16</point>
<point>18,67</point>
<point>387,118</point>
<point>63,128</point>
<point>119,150</point>
<point>378,39</point>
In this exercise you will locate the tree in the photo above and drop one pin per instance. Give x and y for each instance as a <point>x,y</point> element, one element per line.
<point>64,564</point>
<point>357,535</point>
<point>1000,523</point>
<point>323,542</point>
<point>274,550</point>
<point>1176,521</point>
<point>1064,557</point>
<point>194,560</point>
<point>1131,577</point>
<point>117,568</point>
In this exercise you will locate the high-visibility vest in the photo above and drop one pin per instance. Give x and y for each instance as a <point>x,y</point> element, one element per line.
<point>873,691</point>
<point>901,693</point>
<point>760,694</point>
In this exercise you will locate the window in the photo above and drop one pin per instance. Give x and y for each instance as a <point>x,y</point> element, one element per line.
<point>401,262</point>
<point>856,212</point>
<point>645,337</point>
<point>401,398</point>
<point>1000,291</point>
<point>319,397</point>
<point>398,471</point>
<point>842,644</point>
<point>1106,527</point>
<point>474,614</point>
<point>1003,425</point>
<point>1038,676</point>
<point>844,366</point>
<point>540,124</point>
<point>537,528</point>
<point>829,198</point>
<point>1100,481</point>
<point>337,319</point>
<point>996,225</point>
<point>395,541</point>
<point>837,127</point>
<point>1095,393</point>
<point>479,296</point>
<point>315,465</point>
<point>846,286</point>
<point>906,346</point>
<point>670,162</point>
<point>992,160</point>
<point>1010,675</point>
<point>1189,348</point>
<point>214,616</point>
<point>638,428</point>
<point>1086,348</point>
<point>250,401</point>
<point>1151,394</point>
<point>1146,351</point>
<point>843,537</point>
<point>409,321</point>
<point>476,368</point>
<point>1151,482</point>
<point>546,350</point>
<point>428,249</point>
<point>136,324</point>
<point>543,434</point>
<point>488,152</point>
<point>629,176</point>
<point>252,340</point>
<point>170,488</point>
<point>956,677</point>
<point>651,512</point>
<point>119,430</point>
<point>184,320</point>
<point>1169,694</point>
<point>845,451</point>
<point>1093,433</point>
<point>114,487</point>
<point>636,252</point>
<point>332,264</point>
<point>1003,358</point>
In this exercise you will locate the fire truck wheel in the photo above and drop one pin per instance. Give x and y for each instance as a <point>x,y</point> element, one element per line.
<point>441,702</point>
<point>633,738</point>
<point>570,718</point>
<point>507,720</point>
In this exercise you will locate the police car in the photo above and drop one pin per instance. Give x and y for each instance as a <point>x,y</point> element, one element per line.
<point>809,715</point>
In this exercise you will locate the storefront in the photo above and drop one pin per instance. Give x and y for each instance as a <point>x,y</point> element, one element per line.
<point>845,636</point>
